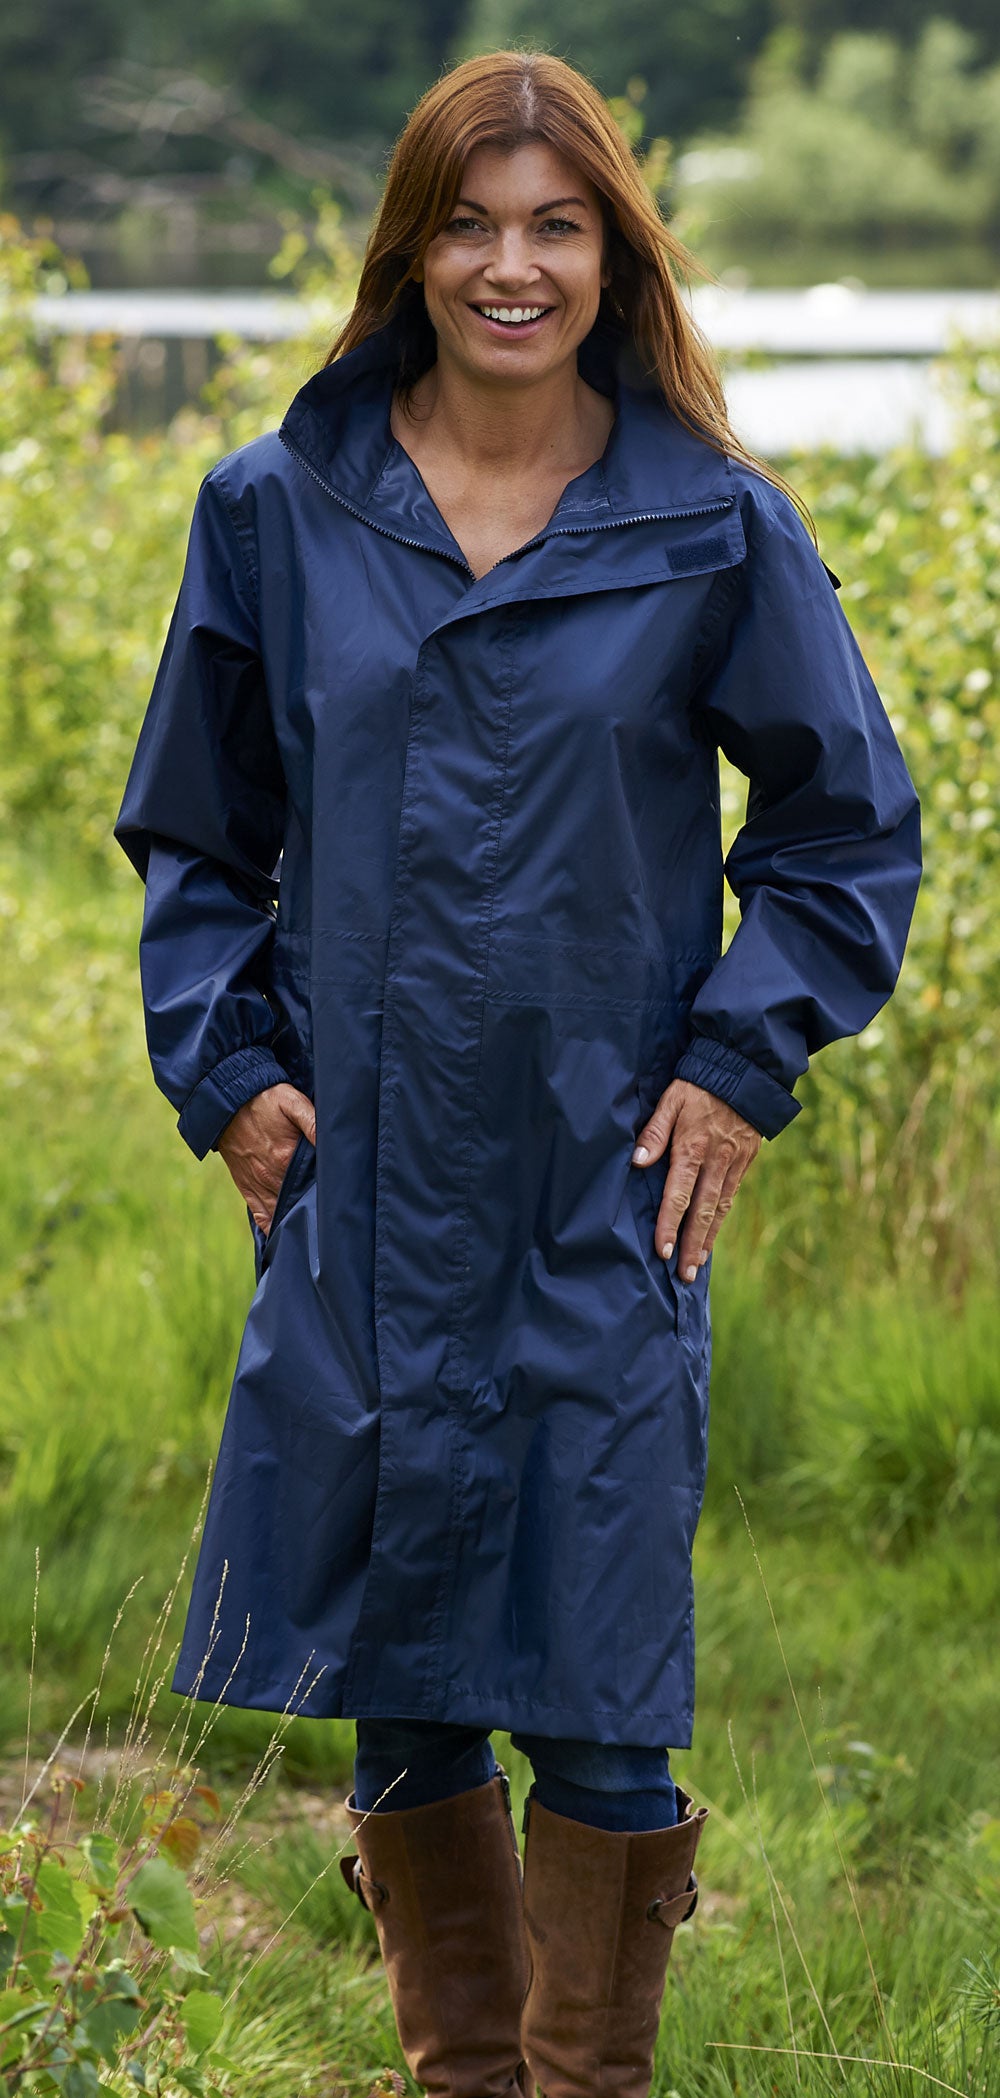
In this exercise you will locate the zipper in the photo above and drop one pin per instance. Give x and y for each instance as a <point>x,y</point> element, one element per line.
<point>607,524</point>
<point>400,537</point>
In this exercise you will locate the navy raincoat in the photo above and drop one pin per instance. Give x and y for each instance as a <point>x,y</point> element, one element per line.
<point>464,1454</point>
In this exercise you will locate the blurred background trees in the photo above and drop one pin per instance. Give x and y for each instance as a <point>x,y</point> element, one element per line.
<point>164,141</point>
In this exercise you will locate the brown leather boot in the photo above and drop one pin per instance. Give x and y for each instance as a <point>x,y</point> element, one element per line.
<point>443,1883</point>
<point>601,1910</point>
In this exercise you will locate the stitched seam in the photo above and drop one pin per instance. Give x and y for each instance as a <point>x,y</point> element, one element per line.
<point>383,1156</point>
<point>724,593</point>
<point>597,1003</point>
<point>634,576</point>
<point>460,1293</point>
<point>240,532</point>
<point>446,1589</point>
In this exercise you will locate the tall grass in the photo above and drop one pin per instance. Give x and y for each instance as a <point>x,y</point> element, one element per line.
<point>857,1410</point>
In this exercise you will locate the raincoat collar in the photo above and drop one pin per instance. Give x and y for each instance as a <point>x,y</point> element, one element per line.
<point>652,466</point>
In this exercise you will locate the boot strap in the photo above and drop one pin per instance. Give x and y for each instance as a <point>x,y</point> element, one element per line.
<point>677,1908</point>
<point>370,1892</point>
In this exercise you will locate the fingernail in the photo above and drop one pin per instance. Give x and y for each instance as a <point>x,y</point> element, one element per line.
<point>703,1259</point>
<point>690,1274</point>
<point>640,1155</point>
<point>668,1249</point>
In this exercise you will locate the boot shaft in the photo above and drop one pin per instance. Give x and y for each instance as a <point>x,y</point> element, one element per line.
<point>443,1883</point>
<point>600,1910</point>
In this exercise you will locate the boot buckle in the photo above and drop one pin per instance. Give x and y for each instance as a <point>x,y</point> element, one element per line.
<point>370,1892</point>
<point>676,1908</point>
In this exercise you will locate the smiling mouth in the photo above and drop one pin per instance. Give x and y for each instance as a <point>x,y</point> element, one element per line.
<point>512,319</point>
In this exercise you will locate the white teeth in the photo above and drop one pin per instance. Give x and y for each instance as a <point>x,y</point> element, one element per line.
<point>513,313</point>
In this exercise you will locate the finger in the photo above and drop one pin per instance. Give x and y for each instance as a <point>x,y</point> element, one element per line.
<point>701,1213</point>
<point>677,1192</point>
<point>703,1220</point>
<point>725,1203</point>
<point>261,1181</point>
<point>654,1136</point>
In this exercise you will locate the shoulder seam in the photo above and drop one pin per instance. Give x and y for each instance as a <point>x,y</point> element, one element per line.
<point>241,533</point>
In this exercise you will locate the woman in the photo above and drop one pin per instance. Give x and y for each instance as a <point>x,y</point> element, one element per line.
<point>459,644</point>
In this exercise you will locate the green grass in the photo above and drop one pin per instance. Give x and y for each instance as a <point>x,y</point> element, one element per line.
<point>858,1413</point>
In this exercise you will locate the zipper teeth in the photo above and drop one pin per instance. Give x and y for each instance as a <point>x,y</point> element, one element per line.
<point>386,530</point>
<point>606,524</point>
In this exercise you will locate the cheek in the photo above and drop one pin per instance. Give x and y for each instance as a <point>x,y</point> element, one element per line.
<point>583,286</point>
<point>442,279</point>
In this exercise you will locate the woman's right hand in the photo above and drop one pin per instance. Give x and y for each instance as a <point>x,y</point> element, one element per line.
<point>258,1142</point>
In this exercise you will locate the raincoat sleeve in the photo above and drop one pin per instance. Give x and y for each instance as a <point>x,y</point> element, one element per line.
<point>202,820</point>
<point>827,863</point>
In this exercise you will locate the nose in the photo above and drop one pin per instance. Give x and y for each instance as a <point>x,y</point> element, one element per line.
<point>510,267</point>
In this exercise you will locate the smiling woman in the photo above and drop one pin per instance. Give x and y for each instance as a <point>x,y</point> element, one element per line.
<point>460,642</point>
<point>511,286</point>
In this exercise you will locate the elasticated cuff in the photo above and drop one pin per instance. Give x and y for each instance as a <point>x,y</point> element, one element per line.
<point>759,1098</point>
<point>225,1088</point>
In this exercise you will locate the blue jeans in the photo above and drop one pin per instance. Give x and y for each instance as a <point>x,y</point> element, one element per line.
<point>610,1788</point>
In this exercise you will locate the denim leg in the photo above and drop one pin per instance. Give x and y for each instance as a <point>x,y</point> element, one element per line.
<point>439,1759</point>
<point>619,1789</point>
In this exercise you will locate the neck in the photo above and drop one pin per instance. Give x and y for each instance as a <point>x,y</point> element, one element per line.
<point>506,430</point>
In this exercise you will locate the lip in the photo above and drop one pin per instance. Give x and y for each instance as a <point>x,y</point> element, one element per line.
<point>511,331</point>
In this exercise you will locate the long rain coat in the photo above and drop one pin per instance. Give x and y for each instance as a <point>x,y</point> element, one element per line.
<point>465,1449</point>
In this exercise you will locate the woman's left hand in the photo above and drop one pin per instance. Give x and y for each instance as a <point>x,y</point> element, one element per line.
<point>711,1147</point>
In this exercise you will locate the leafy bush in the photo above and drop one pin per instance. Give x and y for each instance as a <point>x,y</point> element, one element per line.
<point>93,524</point>
<point>886,145</point>
<point>103,1987</point>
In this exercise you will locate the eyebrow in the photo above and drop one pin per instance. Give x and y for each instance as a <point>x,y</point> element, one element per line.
<point>538,212</point>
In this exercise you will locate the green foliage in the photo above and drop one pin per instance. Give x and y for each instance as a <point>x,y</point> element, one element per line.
<point>92,531</point>
<point>98,1944</point>
<point>886,145</point>
<point>905,1121</point>
<point>694,56</point>
<point>90,524</point>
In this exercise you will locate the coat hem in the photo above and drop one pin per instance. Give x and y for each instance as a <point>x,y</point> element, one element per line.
<point>640,1728</point>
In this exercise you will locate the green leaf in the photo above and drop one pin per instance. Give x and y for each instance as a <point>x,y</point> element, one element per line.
<point>201,2016</point>
<point>187,1963</point>
<point>190,2080</point>
<point>101,1853</point>
<point>80,2080</point>
<point>59,1925</point>
<point>18,2004</point>
<point>107,2024</point>
<point>162,1901</point>
<point>117,1981</point>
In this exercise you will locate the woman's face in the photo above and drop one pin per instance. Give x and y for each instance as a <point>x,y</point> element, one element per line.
<point>525,241</point>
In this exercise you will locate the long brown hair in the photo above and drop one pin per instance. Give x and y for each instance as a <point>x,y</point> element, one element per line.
<point>508,99</point>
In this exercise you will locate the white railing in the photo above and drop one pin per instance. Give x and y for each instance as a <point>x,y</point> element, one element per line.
<point>854,368</point>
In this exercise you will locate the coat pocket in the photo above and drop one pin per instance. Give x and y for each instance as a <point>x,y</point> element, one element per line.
<point>294,1180</point>
<point>646,1185</point>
